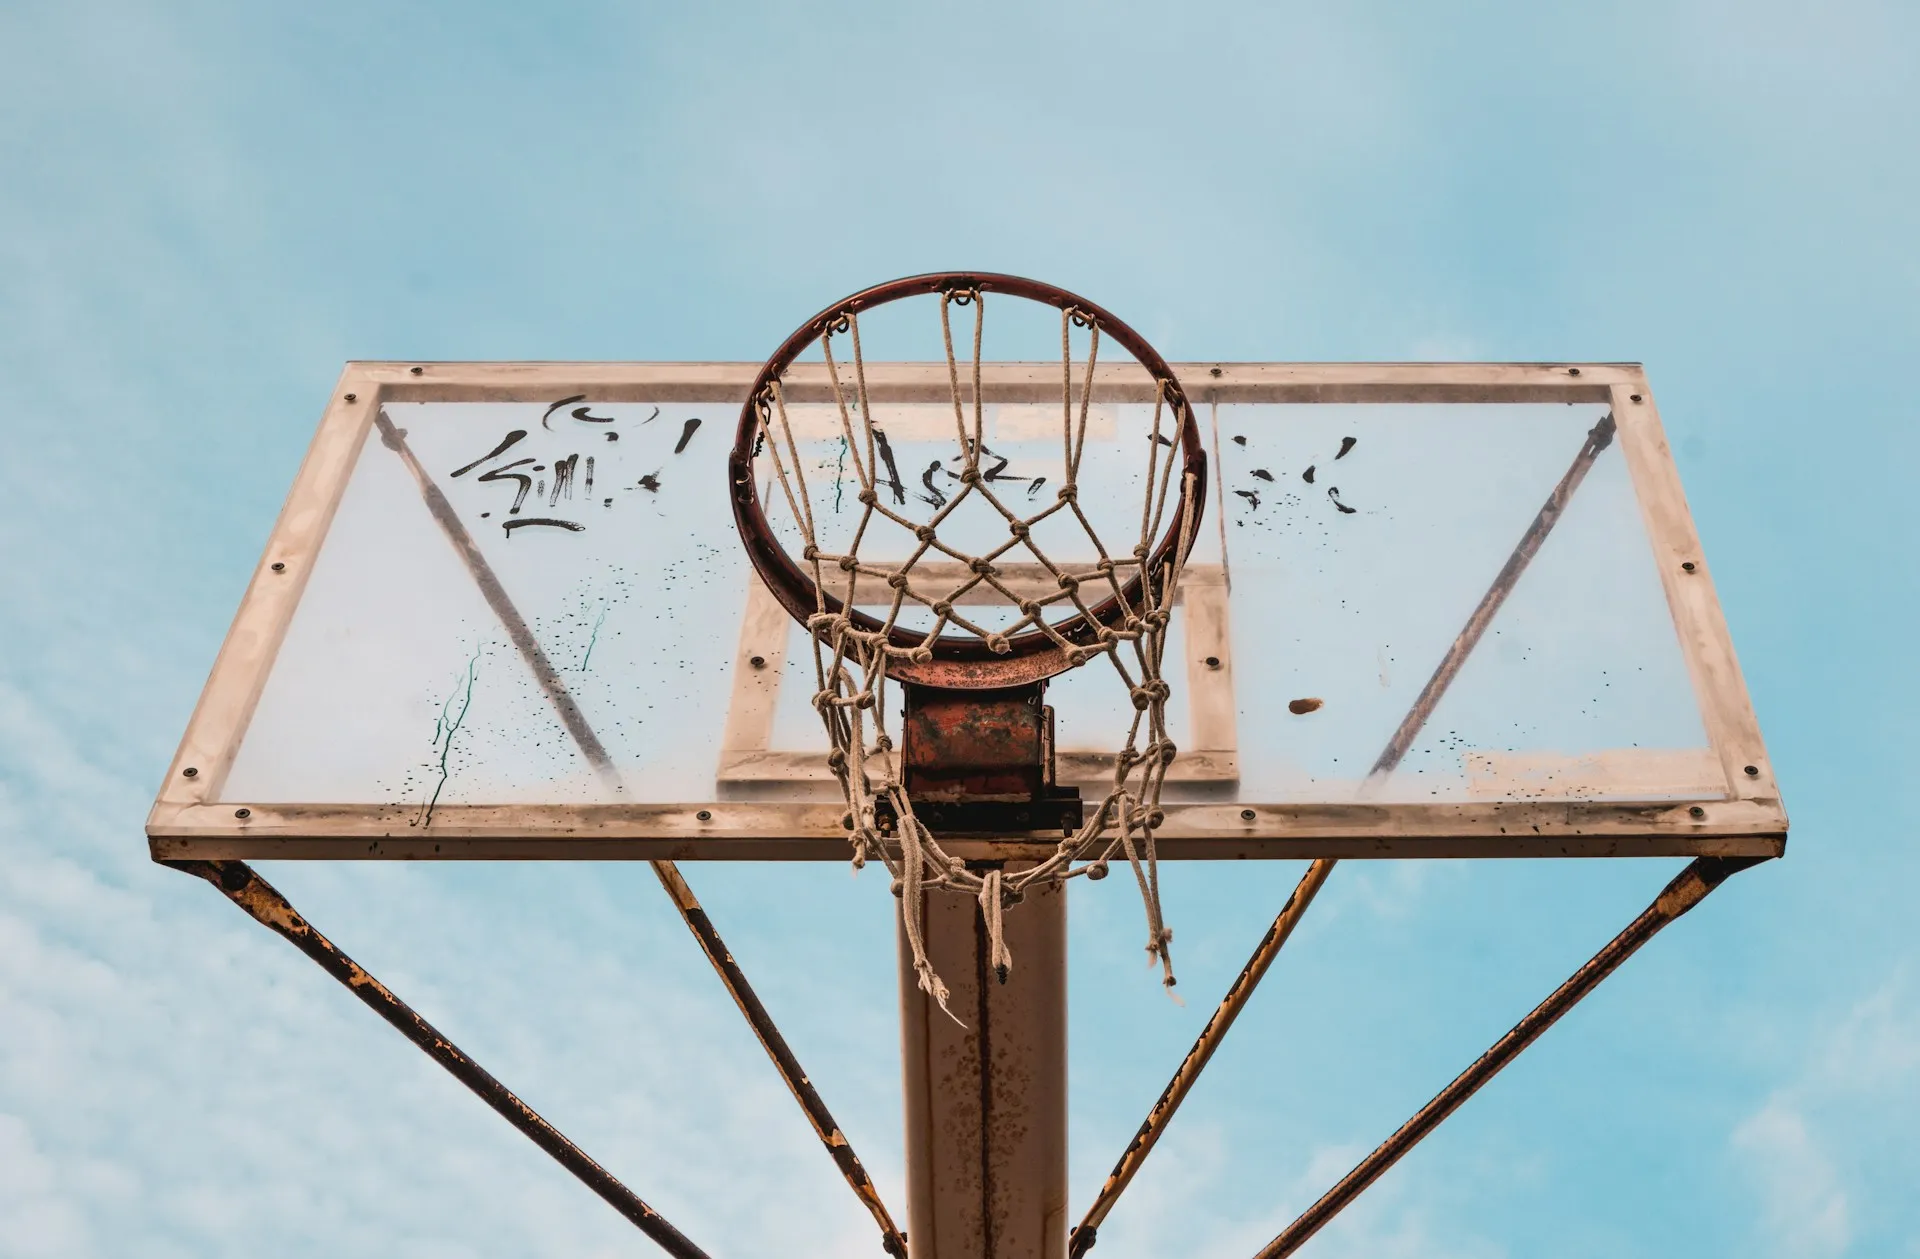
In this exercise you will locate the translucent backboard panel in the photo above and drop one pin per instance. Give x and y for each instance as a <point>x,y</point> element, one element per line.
<point>1460,609</point>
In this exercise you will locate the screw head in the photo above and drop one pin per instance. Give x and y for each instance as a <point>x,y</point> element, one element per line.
<point>1697,812</point>
<point>1573,371</point>
<point>1213,371</point>
<point>705,815</point>
<point>758,662</point>
<point>416,370</point>
<point>1687,566</point>
<point>1753,771</point>
<point>189,772</point>
<point>1247,815</point>
<point>279,567</point>
<point>1636,397</point>
<point>243,813</point>
<point>1213,662</point>
<point>353,397</point>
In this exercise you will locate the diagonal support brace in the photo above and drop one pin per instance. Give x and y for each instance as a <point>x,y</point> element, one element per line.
<point>1688,889</point>
<point>1082,1238</point>
<point>239,884</point>
<point>892,1240</point>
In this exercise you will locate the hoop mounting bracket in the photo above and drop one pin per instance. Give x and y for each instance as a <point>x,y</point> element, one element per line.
<point>981,761</point>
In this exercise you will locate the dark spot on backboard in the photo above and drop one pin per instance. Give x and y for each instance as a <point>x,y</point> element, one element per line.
<point>1301,707</point>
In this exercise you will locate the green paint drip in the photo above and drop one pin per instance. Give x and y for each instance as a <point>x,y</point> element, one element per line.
<point>445,726</point>
<point>594,638</point>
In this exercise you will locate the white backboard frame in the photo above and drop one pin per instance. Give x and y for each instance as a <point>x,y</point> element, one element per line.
<point>192,820</point>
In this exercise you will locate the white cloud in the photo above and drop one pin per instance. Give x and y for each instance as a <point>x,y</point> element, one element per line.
<point>40,1218</point>
<point>1402,1216</point>
<point>1803,1203</point>
<point>1810,1149</point>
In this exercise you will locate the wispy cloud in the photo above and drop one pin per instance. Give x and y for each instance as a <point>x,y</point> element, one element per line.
<point>1814,1177</point>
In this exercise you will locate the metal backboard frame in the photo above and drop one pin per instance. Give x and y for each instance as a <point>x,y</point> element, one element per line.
<point>194,819</point>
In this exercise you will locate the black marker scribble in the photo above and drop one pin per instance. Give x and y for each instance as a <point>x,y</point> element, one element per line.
<point>651,418</point>
<point>686,434</point>
<point>1162,438</point>
<point>1346,444</point>
<point>1252,498</point>
<point>506,444</point>
<point>1307,476</point>
<point>506,474</point>
<point>651,482</point>
<point>933,494</point>
<point>993,473</point>
<point>1263,474</point>
<point>589,485</point>
<point>1333,492</point>
<point>563,478</point>
<point>893,469</point>
<point>564,402</point>
<point>612,436</point>
<point>1239,440</point>
<point>1033,486</point>
<point>568,525</point>
<point>580,413</point>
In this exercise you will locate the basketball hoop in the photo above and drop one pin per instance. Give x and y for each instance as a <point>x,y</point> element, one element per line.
<point>975,751</point>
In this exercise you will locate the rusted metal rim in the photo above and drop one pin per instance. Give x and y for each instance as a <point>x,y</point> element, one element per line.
<point>959,661</point>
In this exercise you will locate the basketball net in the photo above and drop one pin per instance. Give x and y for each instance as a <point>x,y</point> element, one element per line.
<point>851,664</point>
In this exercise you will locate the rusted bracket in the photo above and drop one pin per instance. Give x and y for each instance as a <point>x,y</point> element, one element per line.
<point>1688,889</point>
<point>981,762</point>
<point>239,884</point>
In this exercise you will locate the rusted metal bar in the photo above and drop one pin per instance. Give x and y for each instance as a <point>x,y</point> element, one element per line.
<point>1081,1240</point>
<point>1688,889</point>
<point>1598,439</point>
<point>584,737</point>
<point>238,882</point>
<point>891,1239</point>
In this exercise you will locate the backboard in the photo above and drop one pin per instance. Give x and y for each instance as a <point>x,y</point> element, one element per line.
<point>1433,610</point>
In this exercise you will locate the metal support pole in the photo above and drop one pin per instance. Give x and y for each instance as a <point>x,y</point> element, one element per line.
<point>237,881</point>
<point>1687,890</point>
<point>986,1102</point>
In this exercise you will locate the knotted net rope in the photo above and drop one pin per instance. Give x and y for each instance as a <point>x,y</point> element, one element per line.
<point>852,664</point>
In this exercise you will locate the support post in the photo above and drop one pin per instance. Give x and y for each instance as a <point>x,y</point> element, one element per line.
<point>986,1103</point>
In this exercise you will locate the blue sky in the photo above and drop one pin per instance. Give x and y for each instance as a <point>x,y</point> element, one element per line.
<point>207,208</point>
